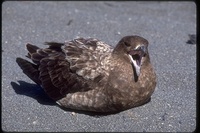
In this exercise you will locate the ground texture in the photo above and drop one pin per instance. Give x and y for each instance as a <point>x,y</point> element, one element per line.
<point>166,25</point>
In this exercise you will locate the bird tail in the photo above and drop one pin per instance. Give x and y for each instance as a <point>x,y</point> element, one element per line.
<point>31,49</point>
<point>30,69</point>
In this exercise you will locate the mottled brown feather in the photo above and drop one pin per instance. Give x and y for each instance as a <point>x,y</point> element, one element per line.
<point>87,74</point>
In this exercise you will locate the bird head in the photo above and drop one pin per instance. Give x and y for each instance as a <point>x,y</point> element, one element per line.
<point>135,48</point>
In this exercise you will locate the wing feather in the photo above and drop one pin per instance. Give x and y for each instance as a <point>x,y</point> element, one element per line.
<point>89,58</point>
<point>57,78</point>
<point>70,67</point>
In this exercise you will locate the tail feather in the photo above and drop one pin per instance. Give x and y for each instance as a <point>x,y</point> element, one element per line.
<point>31,48</point>
<point>31,70</point>
<point>35,53</point>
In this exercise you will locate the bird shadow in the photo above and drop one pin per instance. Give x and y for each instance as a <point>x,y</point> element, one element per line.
<point>36,92</point>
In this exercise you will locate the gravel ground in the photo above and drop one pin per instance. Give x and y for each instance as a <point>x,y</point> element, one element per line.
<point>165,25</point>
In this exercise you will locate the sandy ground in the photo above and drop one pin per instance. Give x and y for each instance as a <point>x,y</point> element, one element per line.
<point>165,25</point>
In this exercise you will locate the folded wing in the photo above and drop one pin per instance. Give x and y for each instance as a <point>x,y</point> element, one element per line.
<point>88,58</point>
<point>75,66</point>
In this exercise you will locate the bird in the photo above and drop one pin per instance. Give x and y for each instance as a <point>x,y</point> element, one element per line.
<point>87,74</point>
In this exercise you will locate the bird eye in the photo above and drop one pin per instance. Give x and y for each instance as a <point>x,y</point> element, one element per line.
<point>127,44</point>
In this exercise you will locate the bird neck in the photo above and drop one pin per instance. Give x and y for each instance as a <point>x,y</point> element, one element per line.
<point>119,52</point>
<point>119,49</point>
<point>117,56</point>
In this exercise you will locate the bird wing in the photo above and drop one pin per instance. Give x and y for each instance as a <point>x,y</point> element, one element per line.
<point>88,58</point>
<point>74,66</point>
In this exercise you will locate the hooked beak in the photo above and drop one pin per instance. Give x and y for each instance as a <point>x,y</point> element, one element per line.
<point>136,56</point>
